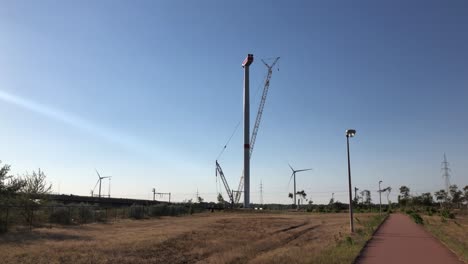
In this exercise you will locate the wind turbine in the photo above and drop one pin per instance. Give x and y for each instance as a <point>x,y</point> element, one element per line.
<point>294,175</point>
<point>99,181</point>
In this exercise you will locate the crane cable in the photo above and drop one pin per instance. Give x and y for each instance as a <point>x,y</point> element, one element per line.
<point>238,124</point>
<point>229,140</point>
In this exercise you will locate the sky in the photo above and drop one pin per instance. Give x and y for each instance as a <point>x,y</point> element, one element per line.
<point>149,92</point>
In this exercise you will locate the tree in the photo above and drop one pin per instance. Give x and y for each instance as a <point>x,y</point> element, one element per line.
<point>457,195</point>
<point>426,199</point>
<point>200,200</point>
<point>404,191</point>
<point>366,197</point>
<point>35,185</point>
<point>388,190</point>
<point>302,194</point>
<point>465,195</point>
<point>220,199</point>
<point>33,193</point>
<point>356,199</point>
<point>441,197</point>
<point>423,199</point>
<point>9,185</point>
<point>404,196</point>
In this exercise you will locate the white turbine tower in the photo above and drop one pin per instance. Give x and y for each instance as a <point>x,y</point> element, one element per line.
<point>294,175</point>
<point>99,181</point>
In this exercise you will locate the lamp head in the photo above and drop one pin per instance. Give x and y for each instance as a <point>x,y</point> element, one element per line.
<point>350,132</point>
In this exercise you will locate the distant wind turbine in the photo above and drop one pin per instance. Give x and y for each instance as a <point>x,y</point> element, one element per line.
<point>294,175</point>
<point>99,181</point>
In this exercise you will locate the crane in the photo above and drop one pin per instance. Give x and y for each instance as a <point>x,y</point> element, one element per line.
<point>219,172</point>
<point>257,123</point>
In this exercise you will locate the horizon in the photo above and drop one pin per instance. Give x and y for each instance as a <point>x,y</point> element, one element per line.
<point>150,92</point>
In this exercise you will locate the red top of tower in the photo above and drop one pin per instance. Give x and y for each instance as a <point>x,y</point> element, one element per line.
<point>248,60</point>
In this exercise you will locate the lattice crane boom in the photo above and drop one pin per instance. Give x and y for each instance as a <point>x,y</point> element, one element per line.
<point>219,172</point>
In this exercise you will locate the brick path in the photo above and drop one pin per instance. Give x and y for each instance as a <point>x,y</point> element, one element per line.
<point>399,240</point>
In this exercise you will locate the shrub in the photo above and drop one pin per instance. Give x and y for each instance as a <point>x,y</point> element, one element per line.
<point>447,214</point>
<point>60,215</point>
<point>158,210</point>
<point>430,210</point>
<point>100,215</point>
<point>85,213</point>
<point>416,218</point>
<point>137,212</point>
<point>3,226</point>
<point>169,210</point>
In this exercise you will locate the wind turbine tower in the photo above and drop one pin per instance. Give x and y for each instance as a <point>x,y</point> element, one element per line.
<point>246,66</point>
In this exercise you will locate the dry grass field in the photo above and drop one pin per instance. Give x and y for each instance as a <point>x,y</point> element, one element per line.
<point>452,232</point>
<point>220,237</point>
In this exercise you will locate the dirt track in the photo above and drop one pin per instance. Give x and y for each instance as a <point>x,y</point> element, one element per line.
<point>400,240</point>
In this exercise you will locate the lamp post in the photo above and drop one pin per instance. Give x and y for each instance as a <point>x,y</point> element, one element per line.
<point>380,199</point>
<point>350,133</point>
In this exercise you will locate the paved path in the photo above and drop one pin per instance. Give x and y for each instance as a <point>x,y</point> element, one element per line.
<point>399,240</point>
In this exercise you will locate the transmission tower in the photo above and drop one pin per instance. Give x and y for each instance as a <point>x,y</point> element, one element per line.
<point>261,193</point>
<point>446,173</point>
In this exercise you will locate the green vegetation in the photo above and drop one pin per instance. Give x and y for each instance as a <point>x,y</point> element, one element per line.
<point>452,232</point>
<point>347,248</point>
<point>446,216</point>
<point>24,204</point>
<point>415,216</point>
<point>170,210</point>
<point>27,191</point>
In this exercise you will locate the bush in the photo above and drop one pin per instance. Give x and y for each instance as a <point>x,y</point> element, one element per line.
<point>169,210</point>
<point>85,213</point>
<point>3,226</point>
<point>416,217</point>
<point>61,216</point>
<point>447,214</point>
<point>137,212</point>
<point>430,210</point>
<point>100,215</point>
<point>158,210</point>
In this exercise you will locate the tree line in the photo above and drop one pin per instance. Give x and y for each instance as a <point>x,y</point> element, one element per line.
<point>454,198</point>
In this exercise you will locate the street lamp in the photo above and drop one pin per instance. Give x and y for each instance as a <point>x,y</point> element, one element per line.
<point>350,133</point>
<point>380,198</point>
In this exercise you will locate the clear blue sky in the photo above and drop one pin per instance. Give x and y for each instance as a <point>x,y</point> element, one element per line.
<point>149,92</point>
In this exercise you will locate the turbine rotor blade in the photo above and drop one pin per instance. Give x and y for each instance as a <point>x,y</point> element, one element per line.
<point>304,170</point>
<point>291,167</point>
<point>96,185</point>
<point>99,175</point>
<point>290,179</point>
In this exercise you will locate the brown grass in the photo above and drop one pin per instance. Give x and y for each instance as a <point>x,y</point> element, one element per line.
<point>205,238</point>
<point>452,232</point>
